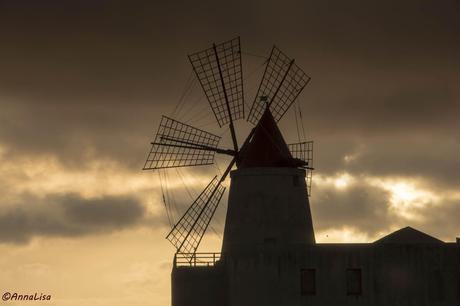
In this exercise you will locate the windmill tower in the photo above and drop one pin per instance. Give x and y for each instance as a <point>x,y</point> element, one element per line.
<point>268,207</point>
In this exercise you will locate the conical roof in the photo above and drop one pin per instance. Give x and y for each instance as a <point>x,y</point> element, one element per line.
<point>267,147</point>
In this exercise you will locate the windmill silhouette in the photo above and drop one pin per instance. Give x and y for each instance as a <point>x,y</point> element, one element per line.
<point>176,144</point>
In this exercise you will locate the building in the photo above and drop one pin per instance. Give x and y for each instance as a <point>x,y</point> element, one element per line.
<point>269,255</point>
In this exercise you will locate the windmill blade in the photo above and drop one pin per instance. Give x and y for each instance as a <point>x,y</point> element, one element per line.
<point>186,235</point>
<point>178,144</point>
<point>220,73</point>
<point>304,152</point>
<point>281,83</point>
<point>189,230</point>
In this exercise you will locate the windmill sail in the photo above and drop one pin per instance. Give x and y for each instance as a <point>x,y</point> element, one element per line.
<point>178,144</point>
<point>220,73</point>
<point>188,231</point>
<point>304,152</point>
<point>281,83</point>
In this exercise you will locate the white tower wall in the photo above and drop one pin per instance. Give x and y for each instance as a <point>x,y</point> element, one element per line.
<point>268,210</point>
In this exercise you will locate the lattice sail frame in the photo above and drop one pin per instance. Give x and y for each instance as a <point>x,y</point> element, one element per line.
<point>281,83</point>
<point>189,230</point>
<point>178,144</point>
<point>304,152</point>
<point>208,65</point>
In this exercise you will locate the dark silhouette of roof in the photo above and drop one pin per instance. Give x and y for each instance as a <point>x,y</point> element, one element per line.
<point>267,147</point>
<point>408,235</point>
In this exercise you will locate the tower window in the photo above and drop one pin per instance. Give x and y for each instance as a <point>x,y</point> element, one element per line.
<point>354,286</point>
<point>308,281</point>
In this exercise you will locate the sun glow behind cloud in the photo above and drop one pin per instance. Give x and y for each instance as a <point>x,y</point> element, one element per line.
<point>43,175</point>
<point>404,201</point>
<point>408,198</point>
<point>340,181</point>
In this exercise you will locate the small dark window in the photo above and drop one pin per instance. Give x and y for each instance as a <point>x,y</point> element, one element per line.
<point>354,286</point>
<point>308,281</point>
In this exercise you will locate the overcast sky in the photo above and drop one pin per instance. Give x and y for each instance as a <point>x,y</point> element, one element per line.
<point>83,85</point>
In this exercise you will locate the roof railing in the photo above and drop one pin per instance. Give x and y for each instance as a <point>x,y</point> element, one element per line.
<point>196,259</point>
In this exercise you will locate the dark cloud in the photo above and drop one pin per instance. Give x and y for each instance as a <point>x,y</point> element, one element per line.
<point>395,106</point>
<point>367,209</point>
<point>361,207</point>
<point>426,158</point>
<point>69,216</point>
<point>81,77</point>
<point>441,220</point>
<point>85,80</point>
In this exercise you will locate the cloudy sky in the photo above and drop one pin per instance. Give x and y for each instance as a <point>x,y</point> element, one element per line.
<point>83,85</point>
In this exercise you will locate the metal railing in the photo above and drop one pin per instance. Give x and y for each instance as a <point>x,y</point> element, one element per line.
<point>196,259</point>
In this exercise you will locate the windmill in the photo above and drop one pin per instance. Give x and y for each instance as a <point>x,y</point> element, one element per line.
<point>176,144</point>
